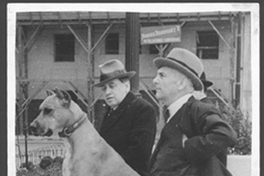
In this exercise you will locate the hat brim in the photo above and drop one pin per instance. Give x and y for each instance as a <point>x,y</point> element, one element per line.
<point>207,83</point>
<point>164,62</point>
<point>124,75</point>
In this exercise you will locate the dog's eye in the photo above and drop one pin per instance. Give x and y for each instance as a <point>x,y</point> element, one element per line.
<point>47,110</point>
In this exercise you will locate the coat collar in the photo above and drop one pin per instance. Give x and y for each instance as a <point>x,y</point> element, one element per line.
<point>113,116</point>
<point>129,98</point>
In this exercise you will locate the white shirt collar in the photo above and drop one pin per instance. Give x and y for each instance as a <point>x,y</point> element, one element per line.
<point>199,95</point>
<point>174,107</point>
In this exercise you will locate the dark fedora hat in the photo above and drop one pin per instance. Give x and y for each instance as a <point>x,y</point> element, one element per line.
<point>205,82</point>
<point>113,69</point>
<point>185,62</point>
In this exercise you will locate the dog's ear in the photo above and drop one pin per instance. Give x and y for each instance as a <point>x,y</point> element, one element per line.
<point>64,96</point>
<point>49,92</point>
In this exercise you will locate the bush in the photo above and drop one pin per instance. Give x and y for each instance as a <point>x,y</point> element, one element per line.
<point>46,167</point>
<point>30,165</point>
<point>45,162</point>
<point>58,159</point>
<point>242,125</point>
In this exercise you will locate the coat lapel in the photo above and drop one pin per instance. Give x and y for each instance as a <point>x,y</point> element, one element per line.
<point>186,122</point>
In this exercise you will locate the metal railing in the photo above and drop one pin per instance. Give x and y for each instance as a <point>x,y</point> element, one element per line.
<point>35,156</point>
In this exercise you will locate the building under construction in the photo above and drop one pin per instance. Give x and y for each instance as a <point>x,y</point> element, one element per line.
<point>64,49</point>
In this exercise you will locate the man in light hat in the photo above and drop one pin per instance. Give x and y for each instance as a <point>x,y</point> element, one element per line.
<point>194,131</point>
<point>129,125</point>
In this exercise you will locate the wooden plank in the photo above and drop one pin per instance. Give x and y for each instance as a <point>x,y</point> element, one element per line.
<point>69,15</point>
<point>102,36</point>
<point>79,39</point>
<point>220,35</point>
<point>116,15</point>
<point>32,37</point>
<point>79,94</point>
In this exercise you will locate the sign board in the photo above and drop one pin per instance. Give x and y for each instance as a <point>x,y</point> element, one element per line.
<point>160,34</point>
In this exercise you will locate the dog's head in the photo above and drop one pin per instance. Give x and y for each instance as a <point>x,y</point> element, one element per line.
<point>55,114</point>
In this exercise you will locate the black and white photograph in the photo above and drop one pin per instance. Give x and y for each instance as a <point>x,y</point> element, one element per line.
<point>133,89</point>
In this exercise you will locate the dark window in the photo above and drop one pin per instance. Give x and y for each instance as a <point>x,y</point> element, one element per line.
<point>207,45</point>
<point>112,43</point>
<point>64,48</point>
<point>153,49</point>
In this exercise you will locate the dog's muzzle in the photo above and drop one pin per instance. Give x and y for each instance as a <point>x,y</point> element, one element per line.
<point>33,130</point>
<point>37,131</point>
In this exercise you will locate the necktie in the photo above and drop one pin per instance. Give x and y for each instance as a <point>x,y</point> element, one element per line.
<point>166,115</point>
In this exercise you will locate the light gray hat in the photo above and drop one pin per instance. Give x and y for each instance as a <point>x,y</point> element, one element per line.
<point>185,62</point>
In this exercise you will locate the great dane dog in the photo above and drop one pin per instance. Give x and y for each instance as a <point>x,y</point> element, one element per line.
<point>86,152</point>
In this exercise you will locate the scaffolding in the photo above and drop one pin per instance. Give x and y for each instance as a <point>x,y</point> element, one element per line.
<point>36,21</point>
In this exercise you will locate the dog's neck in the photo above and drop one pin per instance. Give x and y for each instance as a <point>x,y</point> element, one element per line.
<point>67,131</point>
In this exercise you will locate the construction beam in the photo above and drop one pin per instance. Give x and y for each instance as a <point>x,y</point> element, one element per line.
<point>102,36</point>
<point>132,48</point>
<point>217,94</point>
<point>183,23</point>
<point>145,18</point>
<point>25,104</point>
<point>95,100</point>
<point>59,16</point>
<point>82,43</point>
<point>232,59</point>
<point>220,35</point>
<point>75,88</point>
<point>31,39</point>
<point>29,99</point>
<point>90,67</point>
<point>146,89</point>
<point>161,48</point>
<point>238,61</point>
<point>79,17</point>
<point>78,94</point>
<point>20,60</point>
<point>49,80</point>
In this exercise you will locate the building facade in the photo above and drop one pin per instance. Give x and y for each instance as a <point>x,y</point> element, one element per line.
<point>64,49</point>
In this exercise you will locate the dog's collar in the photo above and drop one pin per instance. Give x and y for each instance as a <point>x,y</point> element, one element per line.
<point>67,131</point>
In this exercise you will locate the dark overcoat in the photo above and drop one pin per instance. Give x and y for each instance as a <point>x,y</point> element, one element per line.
<point>222,155</point>
<point>130,130</point>
<point>207,135</point>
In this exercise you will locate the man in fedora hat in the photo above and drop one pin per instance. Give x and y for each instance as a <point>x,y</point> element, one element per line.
<point>194,131</point>
<point>129,125</point>
<point>201,94</point>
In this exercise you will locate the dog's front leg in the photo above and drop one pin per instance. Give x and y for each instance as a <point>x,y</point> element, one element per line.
<point>67,164</point>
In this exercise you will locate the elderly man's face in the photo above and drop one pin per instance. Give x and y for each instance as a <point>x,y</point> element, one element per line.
<point>114,92</point>
<point>166,84</point>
